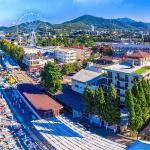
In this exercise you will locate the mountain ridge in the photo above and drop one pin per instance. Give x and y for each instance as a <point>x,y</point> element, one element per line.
<point>85,22</point>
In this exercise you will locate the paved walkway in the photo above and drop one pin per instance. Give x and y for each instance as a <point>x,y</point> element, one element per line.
<point>24,120</point>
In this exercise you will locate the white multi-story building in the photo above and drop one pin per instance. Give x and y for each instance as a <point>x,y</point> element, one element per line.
<point>35,62</point>
<point>65,55</point>
<point>85,78</point>
<point>122,75</point>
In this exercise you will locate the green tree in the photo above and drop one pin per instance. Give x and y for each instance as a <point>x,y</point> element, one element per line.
<point>141,100</point>
<point>113,108</point>
<point>100,105</point>
<point>138,118</point>
<point>135,90</point>
<point>146,89</point>
<point>88,99</point>
<point>50,78</point>
<point>12,50</point>
<point>129,102</point>
<point>67,69</point>
<point>137,105</point>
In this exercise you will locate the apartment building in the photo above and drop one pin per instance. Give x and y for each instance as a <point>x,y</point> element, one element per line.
<point>136,65</point>
<point>65,55</point>
<point>82,52</point>
<point>86,78</point>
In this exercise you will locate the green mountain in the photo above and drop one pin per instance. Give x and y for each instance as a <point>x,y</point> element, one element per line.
<point>81,23</point>
<point>101,23</point>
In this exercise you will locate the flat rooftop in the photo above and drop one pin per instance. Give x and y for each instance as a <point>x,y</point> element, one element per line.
<point>37,98</point>
<point>85,75</point>
<point>63,49</point>
<point>125,68</point>
<point>142,70</point>
<point>70,98</point>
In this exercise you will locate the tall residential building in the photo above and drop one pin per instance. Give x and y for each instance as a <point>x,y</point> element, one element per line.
<point>137,65</point>
<point>65,55</point>
<point>82,51</point>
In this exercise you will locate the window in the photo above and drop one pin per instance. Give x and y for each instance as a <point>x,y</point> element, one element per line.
<point>109,74</point>
<point>77,86</point>
<point>118,76</point>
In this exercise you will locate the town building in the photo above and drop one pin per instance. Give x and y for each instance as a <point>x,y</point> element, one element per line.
<point>107,60</point>
<point>136,65</point>
<point>102,48</point>
<point>65,55</point>
<point>138,58</point>
<point>71,97</point>
<point>122,49</point>
<point>40,102</point>
<point>71,100</point>
<point>85,77</point>
<point>82,52</point>
<point>36,61</point>
<point>93,67</point>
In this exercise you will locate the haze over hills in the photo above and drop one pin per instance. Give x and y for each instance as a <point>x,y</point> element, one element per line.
<point>101,23</point>
<point>84,23</point>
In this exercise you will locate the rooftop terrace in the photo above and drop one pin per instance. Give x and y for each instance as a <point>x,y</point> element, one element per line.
<point>127,68</point>
<point>142,70</point>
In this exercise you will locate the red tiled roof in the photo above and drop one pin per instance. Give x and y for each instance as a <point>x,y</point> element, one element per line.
<point>77,47</point>
<point>38,99</point>
<point>107,58</point>
<point>139,54</point>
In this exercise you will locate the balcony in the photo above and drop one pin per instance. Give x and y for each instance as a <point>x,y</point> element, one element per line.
<point>120,87</point>
<point>108,76</point>
<point>121,95</point>
<point>109,81</point>
<point>123,79</point>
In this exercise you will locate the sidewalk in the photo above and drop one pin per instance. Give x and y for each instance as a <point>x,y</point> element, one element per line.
<point>41,145</point>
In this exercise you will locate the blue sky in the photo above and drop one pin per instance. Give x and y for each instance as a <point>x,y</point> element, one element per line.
<point>57,11</point>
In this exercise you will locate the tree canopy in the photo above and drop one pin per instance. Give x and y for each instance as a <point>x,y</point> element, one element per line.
<point>50,78</point>
<point>14,51</point>
<point>88,98</point>
<point>137,104</point>
<point>106,107</point>
<point>113,108</point>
